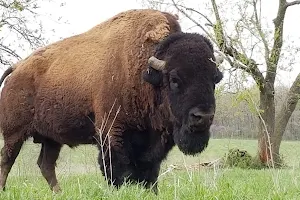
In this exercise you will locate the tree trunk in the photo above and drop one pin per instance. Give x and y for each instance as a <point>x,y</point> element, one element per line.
<point>271,133</point>
<point>266,127</point>
<point>284,115</point>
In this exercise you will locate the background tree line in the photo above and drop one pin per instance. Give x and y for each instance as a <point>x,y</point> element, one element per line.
<point>236,116</point>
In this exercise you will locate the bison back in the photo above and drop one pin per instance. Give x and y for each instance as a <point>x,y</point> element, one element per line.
<point>86,74</point>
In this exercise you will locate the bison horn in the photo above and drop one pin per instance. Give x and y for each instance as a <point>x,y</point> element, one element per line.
<point>219,59</point>
<point>156,63</point>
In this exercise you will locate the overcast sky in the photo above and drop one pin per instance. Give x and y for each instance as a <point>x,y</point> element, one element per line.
<point>83,15</point>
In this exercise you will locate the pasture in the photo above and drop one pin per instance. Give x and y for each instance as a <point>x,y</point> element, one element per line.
<point>180,176</point>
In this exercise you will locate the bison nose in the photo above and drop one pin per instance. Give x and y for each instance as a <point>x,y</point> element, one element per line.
<point>199,118</point>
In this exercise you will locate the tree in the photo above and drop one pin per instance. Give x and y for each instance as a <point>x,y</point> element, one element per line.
<point>242,45</point>
<point>20,28</point>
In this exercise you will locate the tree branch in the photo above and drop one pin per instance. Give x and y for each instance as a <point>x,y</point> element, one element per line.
<point>190,18</point>
<point>293,3</point>
<point>272,62</point>
<point>257,23</point>
<point>218,28</point>
<point>287,108</point>
<point>4,50</point>
<point>193,10</point>
<point>7,50</point>
<point>231,51</point>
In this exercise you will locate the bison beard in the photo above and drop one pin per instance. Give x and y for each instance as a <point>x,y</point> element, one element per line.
<point>190,142</point>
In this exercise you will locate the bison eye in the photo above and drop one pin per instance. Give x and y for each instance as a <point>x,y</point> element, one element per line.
<point>174,83</point>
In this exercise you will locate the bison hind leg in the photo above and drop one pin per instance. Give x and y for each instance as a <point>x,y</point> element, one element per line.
<point>9,153</point>
<point>47,161</point>
<point>14,137</point>
<point>113,169</point>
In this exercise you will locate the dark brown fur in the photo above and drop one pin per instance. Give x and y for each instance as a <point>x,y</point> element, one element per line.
<point>59,94</point>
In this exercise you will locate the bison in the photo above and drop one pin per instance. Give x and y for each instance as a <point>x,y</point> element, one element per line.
<point>134,85</point>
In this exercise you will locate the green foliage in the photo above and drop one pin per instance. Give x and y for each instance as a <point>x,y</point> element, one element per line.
<point>250,97</point>
<point>241,159</point>
<point>219,34</point>
<point>18,5</point>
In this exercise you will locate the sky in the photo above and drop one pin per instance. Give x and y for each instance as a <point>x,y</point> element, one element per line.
<point>83,15</point>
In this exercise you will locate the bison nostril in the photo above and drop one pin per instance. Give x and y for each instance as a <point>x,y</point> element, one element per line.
<point>197,117</point>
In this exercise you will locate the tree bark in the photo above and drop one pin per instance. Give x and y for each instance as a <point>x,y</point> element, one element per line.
<point>285,113</point>
<point>266,126</point>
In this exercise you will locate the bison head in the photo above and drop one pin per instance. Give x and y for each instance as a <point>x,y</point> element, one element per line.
<point>184,66</point>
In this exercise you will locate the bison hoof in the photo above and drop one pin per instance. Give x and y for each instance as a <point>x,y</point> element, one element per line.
<point>56,189</point>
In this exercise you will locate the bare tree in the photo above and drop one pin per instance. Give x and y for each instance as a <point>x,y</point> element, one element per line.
<point>20,28</point>
<point>240,46</point>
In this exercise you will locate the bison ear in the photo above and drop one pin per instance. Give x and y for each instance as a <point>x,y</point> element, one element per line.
<point>219,76</point>
<point>153,76</point>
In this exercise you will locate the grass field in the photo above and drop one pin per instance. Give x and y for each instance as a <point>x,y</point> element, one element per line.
<point>80,177</point>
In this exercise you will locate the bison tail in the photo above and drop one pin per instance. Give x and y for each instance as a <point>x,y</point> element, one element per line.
<point>5,74</point>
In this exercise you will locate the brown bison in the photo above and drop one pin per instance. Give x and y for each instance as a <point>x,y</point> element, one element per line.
<point>135,85</point>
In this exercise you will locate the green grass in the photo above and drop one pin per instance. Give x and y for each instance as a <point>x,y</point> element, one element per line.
<point>80,177</point>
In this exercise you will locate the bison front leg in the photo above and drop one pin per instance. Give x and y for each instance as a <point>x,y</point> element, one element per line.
<point>113,160</point>
<point>151,176</point>
<point>47,161</point>
<point>147,174</point>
